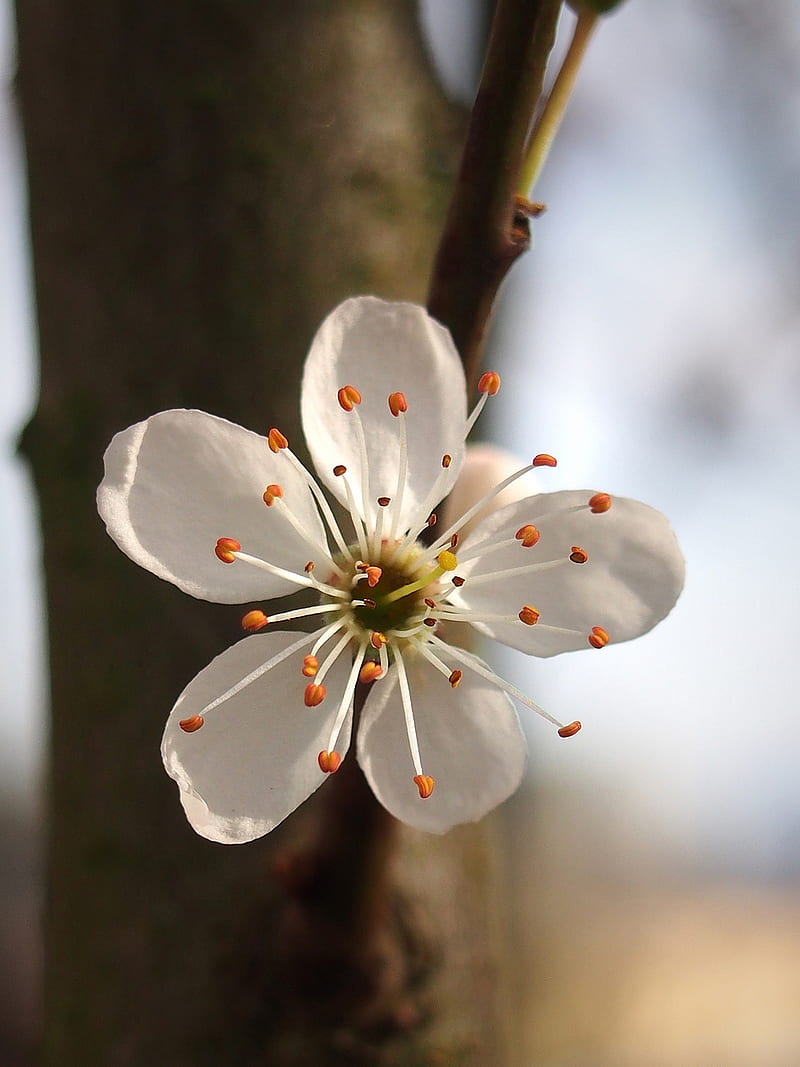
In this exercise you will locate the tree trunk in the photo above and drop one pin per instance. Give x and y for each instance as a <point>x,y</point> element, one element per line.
<point>207,180</point>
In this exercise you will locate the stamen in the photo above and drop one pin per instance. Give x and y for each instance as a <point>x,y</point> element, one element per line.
<point>377,639</point>
<point>310,666</point>
<point>453,652</point>
<point>598,638</point>
<point>578,555</point>
<point>479,506</point>
<point>529,615</point>
<point>192,724</point>
<point>425,784</point>
<point>489,382</point>
<point>323,636</point>
<point>302,613</point>
<point>528,568</point>
<point>397,403</point>
<point>281,572</point>
<point>599,503</point>
<point>329,762</point>
<point>411,731</point>
<point>421,517</point>
<point>384,501</point>
<point>254,675</point>
<point>225,548</point>
<point>370,672</point>
<point>455,678</point>
<point>528,535</point>
<point>544,460</point>
<point>383,656</point>
<point>488,385</point>
<point>373,576</point>
<point>570,730</point>
<point>332,656</point>
<point>339,470</point>
<point>314,695</point>
<point>276,440</point>
<point>348,397</point>
<point>254,621</point>
<point>347,695</point>
<point>322,503</point>
<point>271,494</point>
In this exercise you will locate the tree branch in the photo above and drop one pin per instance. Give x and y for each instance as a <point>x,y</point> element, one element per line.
<point>487,225</point>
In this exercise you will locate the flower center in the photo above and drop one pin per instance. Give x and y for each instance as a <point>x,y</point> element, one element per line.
<point>383,597</point>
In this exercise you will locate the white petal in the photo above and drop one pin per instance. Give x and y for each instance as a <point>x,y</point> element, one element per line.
<point>631,581</point>
<point>470,742</point>
<point>177,482</point>
<point>255,759</point>
<point>382,348</point>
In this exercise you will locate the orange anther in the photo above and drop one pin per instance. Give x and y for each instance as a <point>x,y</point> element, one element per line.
<point>310,666</point>
<point>368,603</point>
<point>489,383</point>
<point>431,603</point>
<point>361,565</point>
<point>429,622</point>
<point>569,730</point>
<point>455,678</point>
<point>313,695</point>
<point>598,638</point>
<point>309,567</point>
<point>339,470</point>
<point>528,535</point>
<point>425,784</point>
<point>454,541</point>
<point>193,723</point>
<point>225,548</point>
<point>271,494</point>
<point>370,670</point>
<point>254,621</point>
<point>578,555</point>
<point>529,615</point>
<point>384,501</point>
<point>432,520</point>
<point>348,397</point>
<point>458,581</point>
<point>373,576</point>
<point>446,460</point>
<point>329,761</point>
<point>276,440</point>
<point>397,403</point>
<point>599,503</point>
<point>377,639</point>
<point>543,460</point>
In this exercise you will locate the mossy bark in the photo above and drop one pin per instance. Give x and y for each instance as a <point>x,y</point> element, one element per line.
<point>208,179</point>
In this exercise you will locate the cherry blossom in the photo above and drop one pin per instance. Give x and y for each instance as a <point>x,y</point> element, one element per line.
<point>230,516</point>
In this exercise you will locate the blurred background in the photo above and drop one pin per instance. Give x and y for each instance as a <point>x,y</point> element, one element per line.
<point>650,342</point>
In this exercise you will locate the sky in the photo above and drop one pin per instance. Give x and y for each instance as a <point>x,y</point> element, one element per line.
<point>650,342</point>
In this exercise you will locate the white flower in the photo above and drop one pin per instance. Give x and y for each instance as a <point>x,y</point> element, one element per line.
<point>385,417</point>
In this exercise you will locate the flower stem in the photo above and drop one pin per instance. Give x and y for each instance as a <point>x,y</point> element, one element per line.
<point>547,125</point>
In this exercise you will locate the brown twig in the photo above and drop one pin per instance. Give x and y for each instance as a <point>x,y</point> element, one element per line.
<point>486,227</point>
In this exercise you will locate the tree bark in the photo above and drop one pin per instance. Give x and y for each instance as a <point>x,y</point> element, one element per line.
<point>207,180</point>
